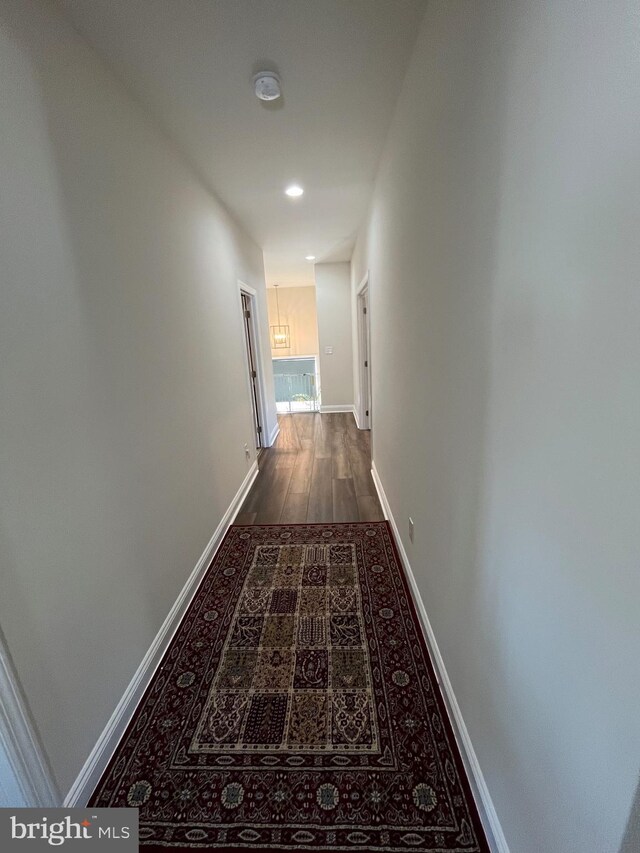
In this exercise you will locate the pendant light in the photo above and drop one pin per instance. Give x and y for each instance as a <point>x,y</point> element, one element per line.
<point>279,333</point>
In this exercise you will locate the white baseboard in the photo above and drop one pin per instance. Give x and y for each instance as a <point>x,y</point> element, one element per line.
<point>106,744</point>
<point>486,809</point>
<point>274,434</point>
<point>26,779</point>
<point>356,417</point>
<point>338,407</point>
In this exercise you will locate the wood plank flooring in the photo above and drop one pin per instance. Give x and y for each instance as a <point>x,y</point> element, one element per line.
<point>318,470</point>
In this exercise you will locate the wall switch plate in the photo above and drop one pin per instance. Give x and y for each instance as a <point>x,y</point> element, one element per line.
<point>410,528</point>
<point>247,452</point>
<point>328,350</point>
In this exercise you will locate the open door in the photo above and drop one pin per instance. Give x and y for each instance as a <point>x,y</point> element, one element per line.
<point>364,355</point>
<point>248,314</point>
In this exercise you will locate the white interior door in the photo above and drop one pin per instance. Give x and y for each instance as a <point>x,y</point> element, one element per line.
<point>248,315</point>
<point>364,367</point>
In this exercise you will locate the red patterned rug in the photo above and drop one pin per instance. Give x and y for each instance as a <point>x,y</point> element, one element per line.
<point>296,708</point>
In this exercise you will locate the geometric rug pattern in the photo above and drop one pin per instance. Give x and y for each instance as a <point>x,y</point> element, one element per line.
<point>296,708</point>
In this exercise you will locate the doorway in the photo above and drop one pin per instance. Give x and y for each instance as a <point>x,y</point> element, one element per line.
<point>296,384</point>
<point>364,354</point>
<point>25,778</point>
<point>250,326</point>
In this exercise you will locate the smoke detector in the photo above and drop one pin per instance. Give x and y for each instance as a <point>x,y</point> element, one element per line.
<point>267,86</point>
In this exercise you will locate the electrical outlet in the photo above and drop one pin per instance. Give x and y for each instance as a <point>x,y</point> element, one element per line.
<point>410,528</point>
<point>247,452</point>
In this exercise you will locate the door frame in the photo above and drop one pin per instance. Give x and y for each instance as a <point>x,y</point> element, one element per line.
<point>364,353</point>
<point>26,776</point>
<point>261,402</point>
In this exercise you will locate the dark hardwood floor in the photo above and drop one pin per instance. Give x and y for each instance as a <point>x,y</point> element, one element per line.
<point>318,470</point>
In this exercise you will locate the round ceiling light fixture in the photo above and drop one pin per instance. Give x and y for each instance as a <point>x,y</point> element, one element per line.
<point>309,257</point>
<point>267,86</point>
<point>294,191</point>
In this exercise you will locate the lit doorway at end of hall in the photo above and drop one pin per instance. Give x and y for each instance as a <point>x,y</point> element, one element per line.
<point>293,332</point>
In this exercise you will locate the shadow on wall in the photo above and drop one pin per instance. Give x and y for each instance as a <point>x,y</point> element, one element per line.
<point>631,839</point>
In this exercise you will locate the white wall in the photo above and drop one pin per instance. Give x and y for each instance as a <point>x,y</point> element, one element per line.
<point>298,311</point>
<point>125,405</point>
<point>333,297</point>
<point>503,251</point>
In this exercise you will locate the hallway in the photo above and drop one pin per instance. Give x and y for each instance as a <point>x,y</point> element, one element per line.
<point>417,213</point>
<point>318,470</point>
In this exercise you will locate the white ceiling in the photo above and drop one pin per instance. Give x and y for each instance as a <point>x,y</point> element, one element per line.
<point>190,62</point>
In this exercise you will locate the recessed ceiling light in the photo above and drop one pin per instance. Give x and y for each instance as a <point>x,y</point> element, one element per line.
<point>294,191</point>
<point>309,257</point>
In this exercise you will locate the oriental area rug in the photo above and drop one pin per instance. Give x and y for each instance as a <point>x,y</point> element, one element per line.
<point>296,708</point>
